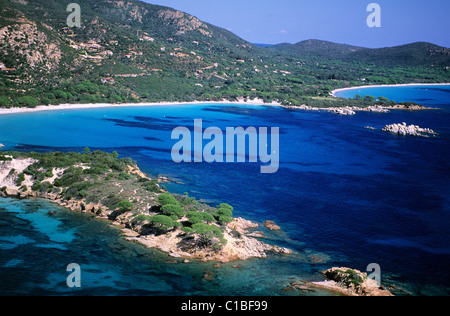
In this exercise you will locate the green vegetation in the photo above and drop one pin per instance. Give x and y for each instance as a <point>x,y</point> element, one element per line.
<point>20,179</point>
<point>173,209</point>
<point>163,222</point>
<point>125,206</point>
<point>208,235</point>
<point>148,56</point>
<point>224,213</point>
<point>105,180</point>
<point>196,217</point>
<point>167,199</point>
<point>4,158</point>
<point>350,277</point>
<point>202,221</point>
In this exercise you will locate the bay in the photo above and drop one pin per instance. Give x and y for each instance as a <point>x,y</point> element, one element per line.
<point>344,195</point>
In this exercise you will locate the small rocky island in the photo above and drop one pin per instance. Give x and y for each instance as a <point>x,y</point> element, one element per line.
<point>413,130</point>
<point>344,281</point>
<point>351,282</point>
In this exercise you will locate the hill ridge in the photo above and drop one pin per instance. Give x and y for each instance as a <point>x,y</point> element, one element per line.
<point>130,51</point>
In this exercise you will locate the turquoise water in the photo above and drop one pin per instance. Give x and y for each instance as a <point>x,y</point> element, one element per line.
<point>422,94</point>
<point>344,196</point>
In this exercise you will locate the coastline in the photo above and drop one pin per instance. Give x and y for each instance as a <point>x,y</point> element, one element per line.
<point>240,243</point>
<point>41,108</point>
<point>238,248</point>
<point>333,93</point>
<point>240,101</point>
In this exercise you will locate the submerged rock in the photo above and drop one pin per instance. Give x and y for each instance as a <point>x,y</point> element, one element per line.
<point>271,225</point>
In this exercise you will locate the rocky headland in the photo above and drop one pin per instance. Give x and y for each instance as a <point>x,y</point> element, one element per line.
<point>241,245</point>
<point>131,200</point>
<point>224,241</point>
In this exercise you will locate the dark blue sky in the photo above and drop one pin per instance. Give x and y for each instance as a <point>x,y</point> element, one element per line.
<point>340,21</point>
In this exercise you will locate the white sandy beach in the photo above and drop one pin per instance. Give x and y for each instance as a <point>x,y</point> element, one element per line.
<point>255,101</point>
<point>333,93</point>
<point>40,108</point>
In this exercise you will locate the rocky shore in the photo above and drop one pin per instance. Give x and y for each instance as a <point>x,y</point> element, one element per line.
<point>352,110</point>
<point>240,245</point>
<point>241,235</point>
<point>413,130</point>
<point>342,281</point>
<point>351,282</point>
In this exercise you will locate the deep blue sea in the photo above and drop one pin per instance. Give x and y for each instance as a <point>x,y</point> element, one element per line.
<point>344,195</point>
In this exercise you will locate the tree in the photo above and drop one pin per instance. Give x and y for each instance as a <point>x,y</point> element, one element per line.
<point>86,87</point>
<point>125,206</point>
<point>224,214</point>
<point>4,102</point>
<point>172,209</point>
<point>208,218</point>
<point>59,94</point>
<point>27,101</point>
<point>163,222</point>
<point>46,101</point>
<point>383,100</point>
<point>194,217</point>
<point>209,235</point>
<point>167,198</point>
<point>199,217</point>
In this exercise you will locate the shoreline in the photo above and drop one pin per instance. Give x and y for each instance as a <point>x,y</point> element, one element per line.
<point>240,243</point>
<point>41,108</point>
<point>333,93</point>
<point>240,101</point>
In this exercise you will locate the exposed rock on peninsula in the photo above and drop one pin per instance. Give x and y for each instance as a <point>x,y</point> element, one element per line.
<point>239,246</point>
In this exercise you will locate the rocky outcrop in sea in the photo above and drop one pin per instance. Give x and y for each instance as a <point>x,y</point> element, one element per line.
<point>351,282</point>
<point>413,130</point>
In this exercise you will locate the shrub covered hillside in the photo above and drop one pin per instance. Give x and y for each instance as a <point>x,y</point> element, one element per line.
<point>132,51</point>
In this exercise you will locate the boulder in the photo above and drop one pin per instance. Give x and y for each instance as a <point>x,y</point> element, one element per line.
<point>271,225</point>
<point>413,130</point>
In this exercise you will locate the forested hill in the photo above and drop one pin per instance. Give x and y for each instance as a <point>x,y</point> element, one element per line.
<point>131,51</point>
<point>415,55</point>
<point>318,49</point>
